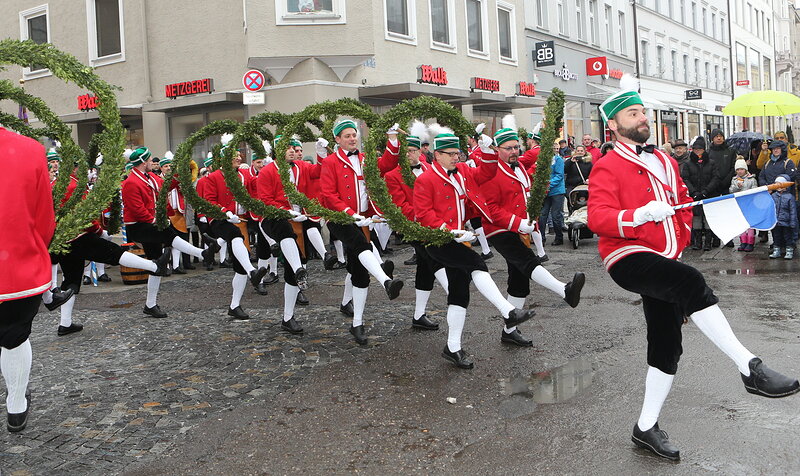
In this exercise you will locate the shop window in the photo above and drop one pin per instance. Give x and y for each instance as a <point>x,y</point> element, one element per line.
<point>309,12</point>
<point>507,36</point>
<point>401,24</point>
<point>34,25</point>
<point>443,24</point>
<point>106,33</point>
<point>477,28</point>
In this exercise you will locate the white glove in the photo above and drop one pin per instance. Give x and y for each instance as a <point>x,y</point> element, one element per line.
<point>321,147</point>
<point>461,236</point>
<point>480,127</point>
<point>653,211</point>
<point>203,220</point>
<point>525,228</point>
<point>232,218</point>
<point>485,143</point>
<point>361,220</point>
<point>393,131</point>
<point>297,216</point>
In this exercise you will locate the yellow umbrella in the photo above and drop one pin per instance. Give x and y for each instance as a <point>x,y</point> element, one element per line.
<point>763,103</point>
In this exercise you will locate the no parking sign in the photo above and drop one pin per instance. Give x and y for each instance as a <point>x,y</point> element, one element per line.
<point>253,80</point>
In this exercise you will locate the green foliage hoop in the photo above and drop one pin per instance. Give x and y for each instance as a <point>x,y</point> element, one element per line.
<point>12,122</point>
<point>312,113</point>
<point>551,130</point>
<point>422,107</point>
<point>111,143</point>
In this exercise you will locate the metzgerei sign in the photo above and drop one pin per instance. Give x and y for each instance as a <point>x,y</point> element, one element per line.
<point>492,85</point>
<point>187,88</point>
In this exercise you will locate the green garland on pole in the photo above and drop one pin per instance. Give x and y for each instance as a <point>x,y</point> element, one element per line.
<point>551,130</point>
<point>67,68</point>
<point>342,107</point>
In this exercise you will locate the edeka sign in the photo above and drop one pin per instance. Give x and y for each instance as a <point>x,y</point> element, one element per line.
<point>492,85</point>
<point>430,75</point>
<point>87,102</point>
<point>526,89</point>
<point>187,88</point>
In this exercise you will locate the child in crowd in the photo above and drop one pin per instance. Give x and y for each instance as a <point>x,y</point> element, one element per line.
<point>783,233</point>
<point>744,180</point>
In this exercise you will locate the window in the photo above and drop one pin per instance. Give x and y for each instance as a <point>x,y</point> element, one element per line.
<point>476,27</point>
<point>748,13</point>
<point>106,39</point>
<point>623,41</point>
<point>696,72</point>
<point>769,31</point>
<point>755,65</point>
<point>723,30</point>
<point>506,32</point>
<point>670,8</point>
<point>562,20</point>
<point>643,45</point>
<point>443,22</point>
<point>767,73</point>
<point>579,19</point>
<point>659,61</point>
<point>683,12</point>
<point>309,12</point>
<point>758,24</point>
<point>541,13</point>
<point>716,77</point>
<point>674,64</point>
<point>713,25</point>
<point>724,79</point>
<point>694,15</point>
<point>609,31</point>
<point>741,62</point>
<point>708,74</point>
<point>401,21</point>
<point>34,25</point>
<point>593,21</point>
<point>686,69</point>
<point>704,18</point>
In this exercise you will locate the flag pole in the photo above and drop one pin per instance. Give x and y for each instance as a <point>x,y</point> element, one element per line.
<point>769,188</point>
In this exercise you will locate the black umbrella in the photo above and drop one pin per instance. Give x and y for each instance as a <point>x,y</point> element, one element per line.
<point>741,141</point>
<point>789,134</point>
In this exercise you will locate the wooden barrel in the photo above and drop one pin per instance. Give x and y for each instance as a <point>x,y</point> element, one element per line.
<point>133,275</point>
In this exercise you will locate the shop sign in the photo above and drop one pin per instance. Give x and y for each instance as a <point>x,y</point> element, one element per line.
<point>492,85</point>
<point>597,66</point>
<point>719,108</point>
<point>691,94</point>
<point>544,53</point>
<point>526,89</point>
<point>565,74</point>
<point>669,116</point>
<point>87,102</point>
<point>187,88</point>
<point>616,73</point>
<point>251,98</point>
<point>743,82</point>
<point>430,75</point>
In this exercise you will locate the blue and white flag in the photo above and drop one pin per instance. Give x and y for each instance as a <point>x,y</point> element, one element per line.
<point>731,215</point>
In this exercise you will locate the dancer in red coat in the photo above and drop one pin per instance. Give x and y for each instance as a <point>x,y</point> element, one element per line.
<point>632,194</point>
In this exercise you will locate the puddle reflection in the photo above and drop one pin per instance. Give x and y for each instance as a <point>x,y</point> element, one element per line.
<point>553,386</point>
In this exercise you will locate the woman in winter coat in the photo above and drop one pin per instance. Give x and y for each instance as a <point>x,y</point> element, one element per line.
<point>701,178</point>
<point>577,168</point>
<point>744,180</point>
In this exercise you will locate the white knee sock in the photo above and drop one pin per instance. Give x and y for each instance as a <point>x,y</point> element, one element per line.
<point>264,263</point>
<point>656,389</point>
<point>518,303</point>
<point>290,253</point>
<point>15,365</point>
<point>87,269</point>
<point>486,286</point>
<point>272,265</point>
<point>176,258</point>
<point>376,253</point>
<point>421,303</point>
<point>482,240</point>
<point>185,247</point>
<point>101,268</point>
<point>359,301</point>
<point>47,297</point>
<point>712,322</point>
<point>66,312</point>
<point>289,299</point>
<point>241,254</point>
<point>536,237</point>
<point>347,296</point>
<point>153,282</point>
<point>238,284</point>
<point>54,276</point>
<point>316,240</point>
<point>543,278</point>
<point>337,245</point>
<point>373,265</point>
<point>441,276</point>
<point>456,316</point>
<point>134,261</point>
<point>223,249</point>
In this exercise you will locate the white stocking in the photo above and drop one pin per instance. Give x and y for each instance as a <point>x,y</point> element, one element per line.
<point>543,278</point>
<point>518,303</point>
<point>66,312</point>
<point>272,264</point>
<point>223,249</point>
<point>368,260</point>
<point>441,276</point>
<point>15,365</point>
<point>711,321</point>
<point>359,301</point>
<point>101,268</point>
<point>456,316</point>
<point>176,258</point>
<point>153,282</point>
<point>289,299</point>
<point>376,253</point>
<point>238,284</point>
<point>348,289</point>
<point>482,240</point>
<point>656,389</point>
<point>316,240</point>
<point>290,253</point>
<point>421,303</point>
<point>54,274</point>
<point>337,245</point>
<point>241,254</point>
<point>486,286</point>
<point>135,261</point>
<point>536,237</point>
<point>185,247</point>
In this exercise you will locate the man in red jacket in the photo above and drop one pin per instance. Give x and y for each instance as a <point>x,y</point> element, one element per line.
<point>441,196</point>
<point>139,195</point>
<point>632,194</point>
<point>507,196</point>
<point>25,262</point>
<point>531,155</point>
<point>344,190</point>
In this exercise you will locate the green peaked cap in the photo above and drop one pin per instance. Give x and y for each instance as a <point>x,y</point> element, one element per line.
<point>139,155</point>
<point>618,102</point>
<point>446,141</point>
<point>505,135</point>
<point>342,125</point>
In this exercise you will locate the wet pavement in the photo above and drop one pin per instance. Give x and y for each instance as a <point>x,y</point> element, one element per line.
<point>198,394</point>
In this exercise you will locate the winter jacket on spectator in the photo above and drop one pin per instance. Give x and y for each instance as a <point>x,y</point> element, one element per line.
<point>576,171</point>
<point>740,184</point>
<point>681,159</point>
<point>700,176</point>
<point>557,177</point>
<point>776,166</point>
<point>785,208</point>
<point>723,157</point>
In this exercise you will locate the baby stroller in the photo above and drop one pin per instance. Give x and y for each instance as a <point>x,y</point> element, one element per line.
<point>577,221</point>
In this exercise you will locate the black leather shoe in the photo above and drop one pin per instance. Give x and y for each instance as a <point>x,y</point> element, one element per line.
<point>17,421</point>
<point>271,278</point>
<point>188,265</point>
<point>767,382</point>
<point>558,242</point>
<point>411,261</point>
<point>301,276</point>
<point>347,309</point>
<point>518,316</point>
<point>154,311</point>
<point>359,334</point>
<point>424,323</point>
<point>208,253</point>
<point>209,266</point>
<point>328,261</point>
<point>292,326</point>
<point>544,258</point>
<point>487,256</point>
<point>238,314</point>
<point>261,289</point>
<point>459,358</point>
<point>388,268</point>
<point>302,300</point>
<point>104,278</point>
<point>162,263</point>
<point>515,338</point>
<point>572,291</point>
<point>339,265</point>
<point>393,287</point>
<point>59,298</point>
<point>62,331</point>
<point>655,440</point>
<point>87,280</point>
<point>227,263</point>
<point>256,276</point>
<point>178,270</point>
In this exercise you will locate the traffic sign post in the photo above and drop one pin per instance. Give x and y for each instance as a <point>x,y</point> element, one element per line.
<point>253,80</point>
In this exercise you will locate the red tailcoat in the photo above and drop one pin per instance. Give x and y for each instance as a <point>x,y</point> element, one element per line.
<point>621,183</point>
<point>270,187</point>
<point>529,158</point>
<point>139,195</point>
<point>402,194</point>
<point>507,196</point>
<point>216,191</point>
<point>27,214</point>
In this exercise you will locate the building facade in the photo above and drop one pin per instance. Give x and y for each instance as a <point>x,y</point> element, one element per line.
<point>786,56</point>
<point>182,64</point>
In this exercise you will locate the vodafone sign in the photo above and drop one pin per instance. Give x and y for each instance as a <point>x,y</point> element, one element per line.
<point>596,66</point>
